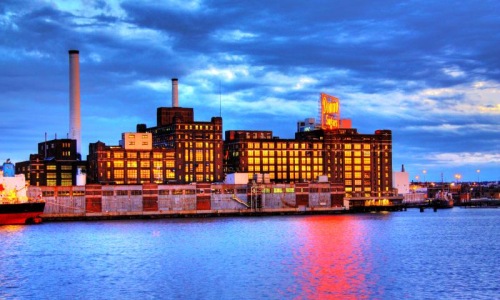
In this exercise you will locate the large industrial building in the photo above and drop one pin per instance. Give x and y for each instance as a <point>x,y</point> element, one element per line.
<point>179,150</point>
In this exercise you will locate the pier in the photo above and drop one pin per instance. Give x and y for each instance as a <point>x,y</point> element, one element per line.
<point>153,201</point>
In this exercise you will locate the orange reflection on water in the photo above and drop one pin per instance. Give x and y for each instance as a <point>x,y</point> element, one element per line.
<point>333,259</point>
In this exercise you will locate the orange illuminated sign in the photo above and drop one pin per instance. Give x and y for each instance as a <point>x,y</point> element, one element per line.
<point>330,111</point>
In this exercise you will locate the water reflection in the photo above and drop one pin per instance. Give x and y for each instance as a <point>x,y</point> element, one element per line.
<point>334,259</point>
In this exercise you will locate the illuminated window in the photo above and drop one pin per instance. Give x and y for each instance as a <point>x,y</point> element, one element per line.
<point>131,155</point>
<point>132,174</point>
<point>145,174</point>
<point>145,164</point>
<point>51,167</point>
<point>118,154</point>
<point>132,164</point>
<point>66,182</point>
<point>157,155</point>
<point>348,153</point>
<point>118,174</point>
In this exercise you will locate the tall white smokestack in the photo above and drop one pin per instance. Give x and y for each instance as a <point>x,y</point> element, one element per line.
<point>175,93</point>
<point>75,128</point>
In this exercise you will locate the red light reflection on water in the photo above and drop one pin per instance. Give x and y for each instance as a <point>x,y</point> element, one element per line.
<point>333,259</point>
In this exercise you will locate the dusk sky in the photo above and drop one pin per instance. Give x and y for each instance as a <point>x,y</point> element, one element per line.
<point>427,70</point>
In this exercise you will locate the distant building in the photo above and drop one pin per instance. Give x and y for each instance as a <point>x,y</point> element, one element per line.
<point>57,163</point>
<point>401,181</point>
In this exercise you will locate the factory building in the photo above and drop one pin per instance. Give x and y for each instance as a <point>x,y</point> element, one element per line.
<point>177,150</point>
<point>55,164</point>
<point>58,162</point>
<point>358,164</point>
<point>133,161</point>
<point>196,145</point>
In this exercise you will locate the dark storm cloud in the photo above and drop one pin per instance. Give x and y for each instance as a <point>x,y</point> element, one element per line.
<point>428,70</point>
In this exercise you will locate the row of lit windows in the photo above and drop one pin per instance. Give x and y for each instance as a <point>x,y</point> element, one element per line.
<point>199,127</point>
<point>296,175</point>
<point>285,146</point>
<point>284,161</point>
<point>63,168</point>
<point>281,153</point>
<point>357,161</point>
<point>357,167</point>
<point>141,154</point>
<point>199,145</point>
<point>357,153</point>
<point>64,182</point>
<point>273,168</point>
<point>144,174</point>
<point>357,146</point>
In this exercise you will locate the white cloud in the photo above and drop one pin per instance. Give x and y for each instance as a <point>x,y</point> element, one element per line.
<point>453,71</point>
<point>161,85</point>
<point>234,35</point>
<point>464,158</point>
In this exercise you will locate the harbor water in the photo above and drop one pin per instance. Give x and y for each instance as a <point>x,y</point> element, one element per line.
<point>448,254</point>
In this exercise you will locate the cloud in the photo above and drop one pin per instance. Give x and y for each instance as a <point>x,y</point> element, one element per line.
<point>429,73</point>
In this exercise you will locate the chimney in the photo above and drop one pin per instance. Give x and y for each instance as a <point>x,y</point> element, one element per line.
<point>75,130</point>
<point>175,93</point>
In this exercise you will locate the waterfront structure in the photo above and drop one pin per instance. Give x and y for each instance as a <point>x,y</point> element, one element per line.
<point>57,163</point>
<point>196,145</point>
<point>153,200</point>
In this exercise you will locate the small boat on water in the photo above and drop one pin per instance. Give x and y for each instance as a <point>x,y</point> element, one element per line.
<point>15,206</point>
<point>442,200</point>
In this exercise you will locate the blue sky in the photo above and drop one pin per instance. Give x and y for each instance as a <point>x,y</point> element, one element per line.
<point>427,70</point>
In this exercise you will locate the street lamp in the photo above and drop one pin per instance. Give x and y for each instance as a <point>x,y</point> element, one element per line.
<point>425,172</point>
<point>478,171</point>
